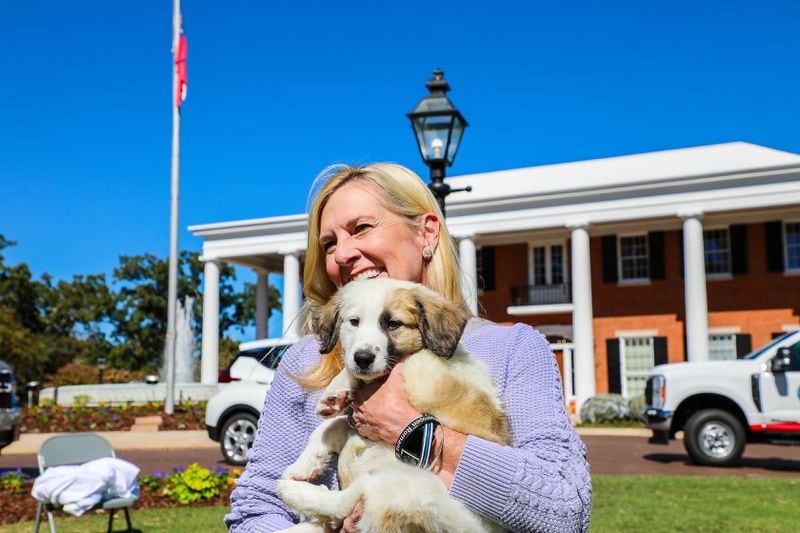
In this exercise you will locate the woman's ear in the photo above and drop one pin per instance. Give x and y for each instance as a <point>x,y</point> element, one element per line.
<point>429,229</point>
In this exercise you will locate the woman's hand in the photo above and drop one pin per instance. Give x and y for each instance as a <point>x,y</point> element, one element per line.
<point>381,410</point>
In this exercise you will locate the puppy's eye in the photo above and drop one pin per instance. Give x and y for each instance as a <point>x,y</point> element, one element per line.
<point>392,325</point>
<point>354,322</point>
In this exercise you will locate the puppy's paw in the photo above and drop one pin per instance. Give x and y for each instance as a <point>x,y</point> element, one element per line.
<point>332,404</point>
<point>307,467</point>
<point>295,494</point>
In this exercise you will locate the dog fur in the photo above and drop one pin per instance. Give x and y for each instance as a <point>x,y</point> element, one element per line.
<point>376,323</point>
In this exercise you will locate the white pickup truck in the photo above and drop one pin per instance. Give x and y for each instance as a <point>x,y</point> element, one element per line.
<point>721,405</point>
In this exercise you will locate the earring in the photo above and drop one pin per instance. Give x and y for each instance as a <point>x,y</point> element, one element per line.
<point>427,254</point>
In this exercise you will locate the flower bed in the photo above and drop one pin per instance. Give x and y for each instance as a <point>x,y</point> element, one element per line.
<point>191,486</point>
<point>80,417</point>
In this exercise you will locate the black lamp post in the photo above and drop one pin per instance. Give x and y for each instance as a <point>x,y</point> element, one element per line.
<point>438,126</point>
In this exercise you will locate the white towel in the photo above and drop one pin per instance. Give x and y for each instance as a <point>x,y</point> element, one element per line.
<point>79,488</point>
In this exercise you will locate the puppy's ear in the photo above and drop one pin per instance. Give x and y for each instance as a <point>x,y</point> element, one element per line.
<point>326,324</point>
<point>441,323</point>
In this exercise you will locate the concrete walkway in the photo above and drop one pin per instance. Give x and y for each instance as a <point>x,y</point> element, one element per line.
<point>29,443</point>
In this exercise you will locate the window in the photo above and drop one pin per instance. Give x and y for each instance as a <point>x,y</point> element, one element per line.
<point>637,362</point>
<point>539,266</point>
<point>722,347</point>
<point>792,233</point>
<point>716,245</point>
<point>547,264</point>
<point>557,264</point>
<point>634,258</point>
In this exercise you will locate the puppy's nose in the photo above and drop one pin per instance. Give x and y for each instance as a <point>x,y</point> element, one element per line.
<point>363,359</point>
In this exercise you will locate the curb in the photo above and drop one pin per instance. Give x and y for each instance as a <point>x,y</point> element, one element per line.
<point>614,432</point>
<point>29,443</point>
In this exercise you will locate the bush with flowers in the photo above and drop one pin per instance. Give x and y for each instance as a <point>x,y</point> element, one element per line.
<point>13,480</point>
<point>191,484</point>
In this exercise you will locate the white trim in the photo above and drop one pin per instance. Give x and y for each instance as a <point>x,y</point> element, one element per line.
<point>519,310</point>
<point>725,330</point>
<point>790,327</point>
<point>635,333</point>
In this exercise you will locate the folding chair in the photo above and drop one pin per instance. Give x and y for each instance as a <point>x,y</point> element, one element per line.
<point>75,449</point>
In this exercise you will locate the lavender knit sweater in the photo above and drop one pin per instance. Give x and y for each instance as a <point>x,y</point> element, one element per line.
<point>540,483</point>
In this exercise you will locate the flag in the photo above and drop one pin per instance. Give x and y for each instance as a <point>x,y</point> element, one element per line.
<point>180,68</point>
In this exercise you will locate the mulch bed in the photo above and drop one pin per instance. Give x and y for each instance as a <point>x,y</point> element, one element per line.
<point>110,418</point>
<point>20,506</point>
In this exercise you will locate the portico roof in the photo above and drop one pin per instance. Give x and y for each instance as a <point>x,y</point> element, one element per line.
<point>712,179</point>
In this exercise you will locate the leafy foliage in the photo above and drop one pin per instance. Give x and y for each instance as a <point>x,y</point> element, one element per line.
<point>45,324</point>
<point>612,408</point>
<point>194,483</point>
<point>13,480</point>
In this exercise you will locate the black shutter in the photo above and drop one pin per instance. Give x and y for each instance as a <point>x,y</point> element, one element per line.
<point>744,345</point>
<point>660,350</point>
<point>774,240</point>
<point>486,268</point>
<point>614,377</point>
<point>610,259</point>
<point>738,233</point>
<point>655,241</point>
<point>683,268</point>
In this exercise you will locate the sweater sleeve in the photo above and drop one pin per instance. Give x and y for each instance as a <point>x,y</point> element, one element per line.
<point>281,436</point>
<point>541,482</point>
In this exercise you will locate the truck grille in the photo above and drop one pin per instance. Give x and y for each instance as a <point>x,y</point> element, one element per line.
<point>648,391</point>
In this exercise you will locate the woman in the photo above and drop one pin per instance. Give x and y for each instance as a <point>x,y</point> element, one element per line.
<point>382,221</point>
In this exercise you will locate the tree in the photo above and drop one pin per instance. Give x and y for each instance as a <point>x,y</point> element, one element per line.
<point>140,320</point>
<point>43,327</point>
<point>44,324</point>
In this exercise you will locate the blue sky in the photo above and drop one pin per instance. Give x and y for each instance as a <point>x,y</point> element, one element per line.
<point>280,90</point>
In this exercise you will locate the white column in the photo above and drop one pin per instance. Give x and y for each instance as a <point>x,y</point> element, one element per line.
<point>469,272</point>
<point>262,305</point>
<point>582,314</point>
<point>694,267</point>
<point>566,363</point>
<point>291,293</point>
<point>209,363</point>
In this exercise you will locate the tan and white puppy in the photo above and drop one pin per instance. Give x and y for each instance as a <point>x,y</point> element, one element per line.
<point>377,322</point>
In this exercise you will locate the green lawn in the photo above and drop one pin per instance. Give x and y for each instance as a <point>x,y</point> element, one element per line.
<point>621,503</point>
<point>666,503</point>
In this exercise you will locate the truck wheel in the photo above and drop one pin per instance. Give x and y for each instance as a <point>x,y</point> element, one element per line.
<point>238,435</point>
<point>714,437</point>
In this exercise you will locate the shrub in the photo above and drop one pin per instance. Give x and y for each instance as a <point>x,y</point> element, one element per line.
<point>636,406</point>
<point>195,484</point>
<point>77,374</point>
<point>13,480</point>
<point>605,408</point>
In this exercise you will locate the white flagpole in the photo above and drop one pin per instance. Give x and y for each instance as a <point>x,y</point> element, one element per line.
<point>172,297</point>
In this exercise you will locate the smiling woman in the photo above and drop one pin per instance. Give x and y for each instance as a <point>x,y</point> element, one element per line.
<point>381,221</point>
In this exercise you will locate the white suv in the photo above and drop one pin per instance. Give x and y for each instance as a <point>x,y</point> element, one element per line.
<point>232,414</point>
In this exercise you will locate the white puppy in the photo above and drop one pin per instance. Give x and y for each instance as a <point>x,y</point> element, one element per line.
<point>376,322</point>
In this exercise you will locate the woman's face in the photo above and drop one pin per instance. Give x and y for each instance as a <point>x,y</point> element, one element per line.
<point>361,238</point>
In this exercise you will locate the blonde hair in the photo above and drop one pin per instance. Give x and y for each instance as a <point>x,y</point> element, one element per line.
<point>407,196</point>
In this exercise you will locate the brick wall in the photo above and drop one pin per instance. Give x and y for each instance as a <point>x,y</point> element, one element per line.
<point>759,303</point>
